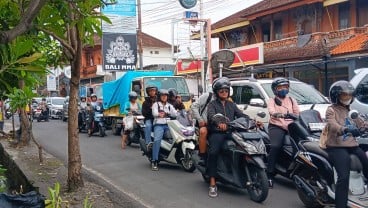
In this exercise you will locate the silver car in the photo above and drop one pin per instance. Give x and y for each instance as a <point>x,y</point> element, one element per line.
<point>56,106</point>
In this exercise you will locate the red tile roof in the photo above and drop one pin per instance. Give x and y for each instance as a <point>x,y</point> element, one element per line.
<point>150,41</point>
<point>258,7</point>
<point>357,43</point>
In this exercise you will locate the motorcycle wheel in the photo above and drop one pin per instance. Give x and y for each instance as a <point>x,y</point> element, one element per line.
<point>102,131</point>
<point>258,191</point>
<point>307,201</point>
<point>187,162</point>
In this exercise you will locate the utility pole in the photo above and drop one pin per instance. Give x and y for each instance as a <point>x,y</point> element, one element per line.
<point>201,42</point>
<point>139,35</point>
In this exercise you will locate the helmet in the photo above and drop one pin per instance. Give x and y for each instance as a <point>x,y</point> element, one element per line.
<point>337,88</point>
<point>133,95</point>
<point>150,87</point>
<point>83,97</point>
<point>93,95</point>
<point>163,92</point>
<point>220,83</point>
<point>173,92</point>
<point>278,82</point>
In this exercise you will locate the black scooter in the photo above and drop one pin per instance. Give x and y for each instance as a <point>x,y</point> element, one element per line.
<point>44,115</point>
<point>96,121</point>
<point>315,176</point>
<point>240,162</point>
<point>82,120</point>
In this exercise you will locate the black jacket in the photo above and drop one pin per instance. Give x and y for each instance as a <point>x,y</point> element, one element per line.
<point>230,110</point>
<point>147,108</point>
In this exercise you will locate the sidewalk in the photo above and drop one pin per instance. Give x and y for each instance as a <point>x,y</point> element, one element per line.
<point>53,170</point>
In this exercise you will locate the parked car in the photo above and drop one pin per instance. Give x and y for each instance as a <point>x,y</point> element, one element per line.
<point>252,95</point>
<point>64,114</point>
<point>56,106</point>
<point>360,83</point>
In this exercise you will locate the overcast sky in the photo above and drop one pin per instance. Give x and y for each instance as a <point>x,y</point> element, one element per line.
<point>158,14</point>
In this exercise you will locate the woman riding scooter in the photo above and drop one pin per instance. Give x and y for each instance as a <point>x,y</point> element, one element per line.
<point>341,139</point>
<point>130,107</point>
<point>278,125</point>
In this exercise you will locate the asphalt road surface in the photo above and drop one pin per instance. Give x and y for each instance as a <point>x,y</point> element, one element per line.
<point>128,171</point>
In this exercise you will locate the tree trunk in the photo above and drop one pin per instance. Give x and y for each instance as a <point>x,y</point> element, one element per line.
<point>25,134</point>
<point>75,179</point>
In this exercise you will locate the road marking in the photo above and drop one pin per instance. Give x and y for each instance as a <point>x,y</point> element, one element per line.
<point>107,180</point>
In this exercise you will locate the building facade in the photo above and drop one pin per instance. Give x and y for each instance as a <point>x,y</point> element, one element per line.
<point>316,41</point>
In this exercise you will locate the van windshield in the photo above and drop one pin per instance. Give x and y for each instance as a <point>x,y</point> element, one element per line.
<point>177,83</point>
<point>303,93</point>
<point>57,101</point>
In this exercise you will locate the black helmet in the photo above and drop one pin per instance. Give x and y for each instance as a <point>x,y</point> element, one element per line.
<point>133,95</point>
<point>173,92</point>
<point>278,82</point>
<point>221,83</point>
<point>83,97</point>
<point>163,92</point>
<point>337,88</point>
<point>150,87</point>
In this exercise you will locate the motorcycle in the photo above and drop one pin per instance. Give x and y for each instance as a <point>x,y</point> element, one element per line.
<point>316,177</point>
<point>96,120</point>
<point>43,115</point>
<point>240,162</point>
<point>82,120</point>
<point>177,147</point>
<point>135,134</point>
<point>307,126</point>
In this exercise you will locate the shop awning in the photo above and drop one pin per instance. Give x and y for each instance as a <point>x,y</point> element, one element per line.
<point>332,2</point>
<point>230,27</point>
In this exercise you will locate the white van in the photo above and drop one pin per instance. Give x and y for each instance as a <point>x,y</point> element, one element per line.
<point>252,95</point>
<point>360,83</point>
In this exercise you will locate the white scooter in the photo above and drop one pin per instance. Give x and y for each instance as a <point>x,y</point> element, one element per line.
<point>176,147</point>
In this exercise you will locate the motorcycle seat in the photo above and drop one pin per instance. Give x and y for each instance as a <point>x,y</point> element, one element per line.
<point>314,147</point>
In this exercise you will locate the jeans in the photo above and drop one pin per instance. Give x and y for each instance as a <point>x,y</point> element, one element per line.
<point>216,140</point>
<point>340,158</point>
<point>277,136</point>
<point>159,132</point>
<point>148,130</point>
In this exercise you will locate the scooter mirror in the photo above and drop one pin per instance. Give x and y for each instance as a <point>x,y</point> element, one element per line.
<point>261,114</point>
<point>353,114</point>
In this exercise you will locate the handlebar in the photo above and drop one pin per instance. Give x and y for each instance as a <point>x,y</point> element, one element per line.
<point>285,116</point>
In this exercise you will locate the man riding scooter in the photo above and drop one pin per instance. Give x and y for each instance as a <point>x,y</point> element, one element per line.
<point>95,123</point>
<point>44,110</point>
<point>82,114</point>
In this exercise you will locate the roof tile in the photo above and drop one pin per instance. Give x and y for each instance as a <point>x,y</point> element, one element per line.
<point>357,43</point>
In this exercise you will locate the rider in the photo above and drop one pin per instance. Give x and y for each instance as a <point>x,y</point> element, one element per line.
<point>82,106</point>
<point>278,125</point>
<point>92,105</point>
<point>341,139</point>
<point>131,107</point>
<point>199,111</point>
<point>44,108</point>
<point>161,111</point>
<point>218,130</point>
<point>147,111</point>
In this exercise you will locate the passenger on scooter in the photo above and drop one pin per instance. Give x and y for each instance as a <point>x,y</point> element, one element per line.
<point>218,132</point>
<point>91,109</point>
<point>131,107</point>
<point>341,138</point>
<point>161,111</point>
<point>82,109</point>
<point>44,109</point>
<point>199,112</point>
<point>278,125</point>
<point>147,111</point>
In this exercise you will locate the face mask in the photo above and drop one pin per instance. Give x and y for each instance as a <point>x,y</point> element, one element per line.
<point>282,93</point>
<point>346,102</point>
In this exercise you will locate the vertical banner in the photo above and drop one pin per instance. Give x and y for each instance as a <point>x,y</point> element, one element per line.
<point>120,51</point>
<point>119,39</point>
<point>51,82</point>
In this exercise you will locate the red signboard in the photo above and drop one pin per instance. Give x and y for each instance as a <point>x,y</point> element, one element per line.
<point>249,55</point>
<point>188,66</point>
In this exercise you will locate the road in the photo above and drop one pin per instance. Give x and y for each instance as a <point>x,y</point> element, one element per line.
<point>130,172</point>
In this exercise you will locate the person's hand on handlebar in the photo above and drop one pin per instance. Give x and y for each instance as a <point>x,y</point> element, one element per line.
<point>222,127</point>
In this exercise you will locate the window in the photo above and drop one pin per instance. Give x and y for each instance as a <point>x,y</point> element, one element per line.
<point>362,15</point>
<point>344,15</point>
<point>157,52</point>
<point>306,27</point>
<point>235,39</point>
<point>266,34</point>
<point>278,29</point>
<point>243,94</point>
<point>362,90</point>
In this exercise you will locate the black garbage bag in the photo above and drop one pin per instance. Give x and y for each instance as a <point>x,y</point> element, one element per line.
<point>27,200</point>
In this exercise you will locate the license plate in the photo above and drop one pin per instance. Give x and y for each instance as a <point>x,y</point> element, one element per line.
<point>99,115</point>
<point>316,126</point>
